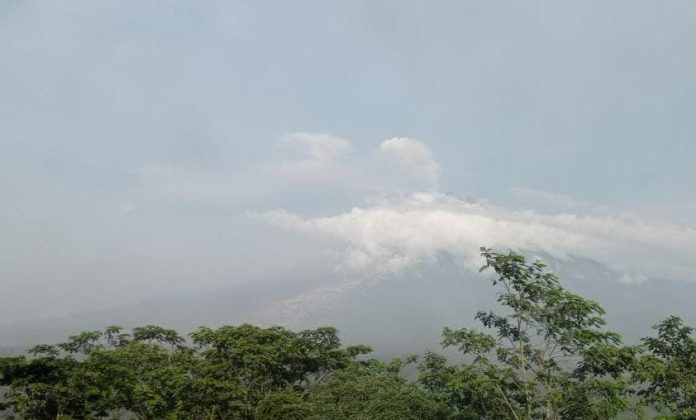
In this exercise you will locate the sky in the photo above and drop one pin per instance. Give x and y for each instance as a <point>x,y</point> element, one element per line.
<point>159,148</point>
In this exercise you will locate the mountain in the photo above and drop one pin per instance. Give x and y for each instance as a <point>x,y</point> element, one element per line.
<point>396,313</point>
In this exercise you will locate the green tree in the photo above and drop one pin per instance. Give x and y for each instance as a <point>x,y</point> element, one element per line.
<point>547,357</point>
<point>151,373</point>
<point>240,365</point>
<point>667,371</point>
<point>543,355</point>
<point>373,390</point>
<point>40,385</point>
<point>287,404</point>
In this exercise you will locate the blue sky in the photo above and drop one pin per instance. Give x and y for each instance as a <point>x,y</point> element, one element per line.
<point>137,138</point>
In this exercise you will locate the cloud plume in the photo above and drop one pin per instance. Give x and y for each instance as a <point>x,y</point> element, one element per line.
<point>397,233</point>
<point>413,156</point>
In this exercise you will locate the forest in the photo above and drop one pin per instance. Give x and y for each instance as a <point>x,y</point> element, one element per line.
<point>542,353</point>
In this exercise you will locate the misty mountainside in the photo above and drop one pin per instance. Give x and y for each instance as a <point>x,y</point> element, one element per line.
<point>395,313</point>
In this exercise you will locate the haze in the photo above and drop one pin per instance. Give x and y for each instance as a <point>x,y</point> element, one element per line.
<point>161,149</point>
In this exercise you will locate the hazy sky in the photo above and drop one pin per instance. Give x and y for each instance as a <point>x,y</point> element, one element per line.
<point>157,148</point>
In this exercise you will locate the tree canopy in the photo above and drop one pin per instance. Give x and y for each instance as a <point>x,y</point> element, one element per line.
<point>543,353</point>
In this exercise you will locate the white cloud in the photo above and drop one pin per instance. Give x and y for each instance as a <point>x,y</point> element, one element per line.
<point>320,161</point>
<point>319,147</point>
<point>412,156</point>
<point>395,234</point>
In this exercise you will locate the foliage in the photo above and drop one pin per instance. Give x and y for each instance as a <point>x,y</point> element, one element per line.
<point>543,355</point>
<point>668,369</point>
<point>284,405</point>
<point>373,390</point>
<point>546,356</point>
<point>230,372</point>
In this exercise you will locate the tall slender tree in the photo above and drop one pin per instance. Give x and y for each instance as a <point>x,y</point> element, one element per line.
<point>546,355</point>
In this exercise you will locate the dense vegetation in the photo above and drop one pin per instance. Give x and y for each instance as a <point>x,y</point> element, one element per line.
<point>545,356</point>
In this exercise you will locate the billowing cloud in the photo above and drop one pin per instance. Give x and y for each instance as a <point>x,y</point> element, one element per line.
<point>413,156</point>
<point>320,147</point>
<point>397,233</point>
<point>311,160</point>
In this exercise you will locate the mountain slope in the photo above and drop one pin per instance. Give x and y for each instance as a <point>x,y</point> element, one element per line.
<point>395,312</point>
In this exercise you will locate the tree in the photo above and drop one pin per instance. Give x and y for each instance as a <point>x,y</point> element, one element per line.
<point>548,356</point>
<point>287,404</point>
<point>245,363</point>
<point>667,371</point>
<point>150,373</point>
<point>373,390</point>
<point>544,354</point>
<point>40,385</point>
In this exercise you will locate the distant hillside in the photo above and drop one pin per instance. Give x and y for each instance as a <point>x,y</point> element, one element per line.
<point>396,313</point>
